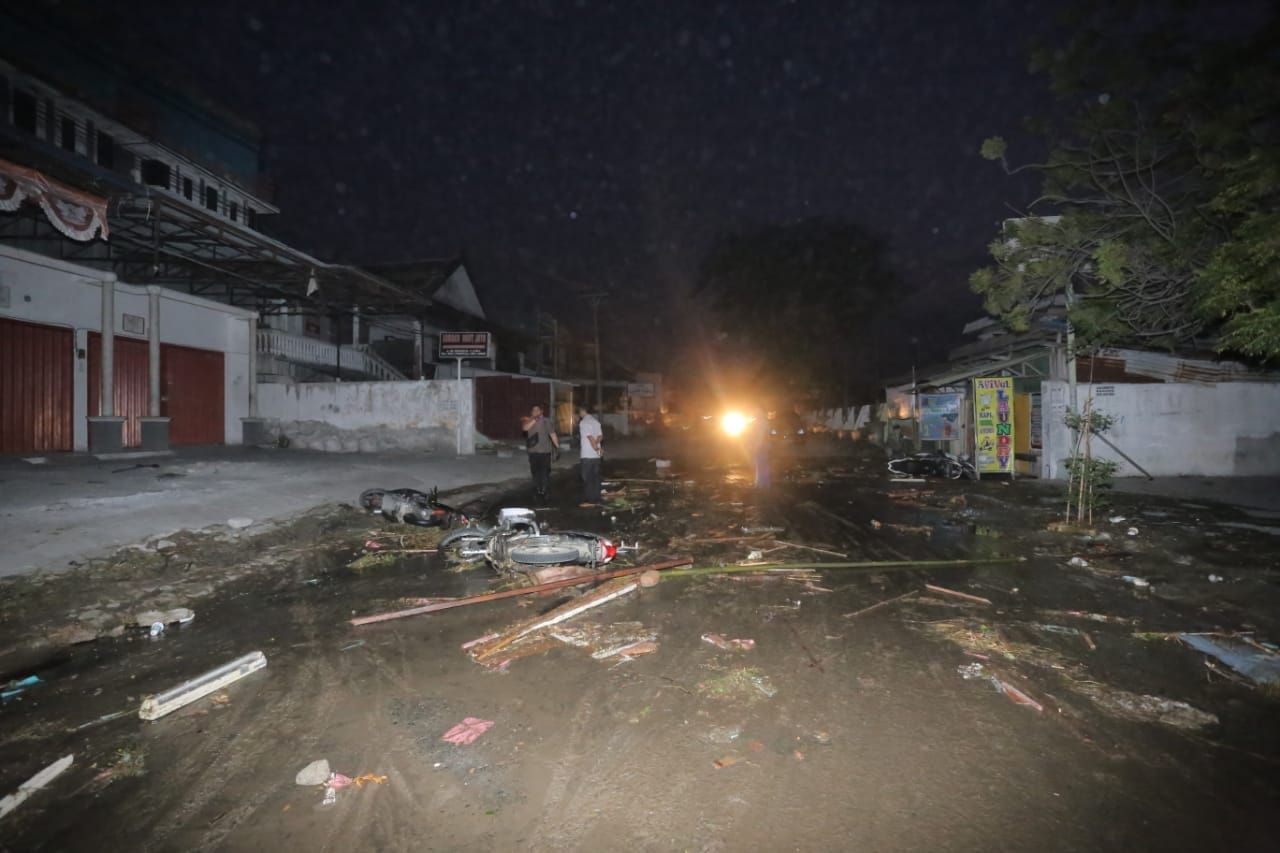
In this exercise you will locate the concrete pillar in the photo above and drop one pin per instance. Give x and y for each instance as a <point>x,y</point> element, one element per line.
<point>253,429</point>
<point>417,349</point>
<point>155,429</point>
<point>355,326</point>
<point>106,431</point>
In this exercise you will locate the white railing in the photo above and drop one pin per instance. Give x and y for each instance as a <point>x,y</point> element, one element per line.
<point>305,350</point>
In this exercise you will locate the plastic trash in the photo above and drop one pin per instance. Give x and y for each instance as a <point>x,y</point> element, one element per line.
<point>157,628</point>
<point>1117,519</point>
<point>1132,531</point>
<point>1216,578</point>
<point>315,773</point>
<point>1140,583</point>
<point>970,671</point>
<point>467,731</point>
<point>1078,562</point>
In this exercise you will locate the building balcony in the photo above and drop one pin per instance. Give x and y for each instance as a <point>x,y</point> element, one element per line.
<point>284,357</point>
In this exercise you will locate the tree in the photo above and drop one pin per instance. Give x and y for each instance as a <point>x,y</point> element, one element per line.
<point>1160,179</point>
<point>796,302</point>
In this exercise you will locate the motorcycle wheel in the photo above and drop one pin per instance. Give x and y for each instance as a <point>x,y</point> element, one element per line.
<point>543,551</point>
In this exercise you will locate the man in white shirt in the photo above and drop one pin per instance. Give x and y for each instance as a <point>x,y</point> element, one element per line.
<point>592,438</point>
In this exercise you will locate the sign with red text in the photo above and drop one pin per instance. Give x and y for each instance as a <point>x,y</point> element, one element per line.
<point>464,345</point>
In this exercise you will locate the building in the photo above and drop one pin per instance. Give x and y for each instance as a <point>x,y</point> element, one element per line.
<point>113,185</point>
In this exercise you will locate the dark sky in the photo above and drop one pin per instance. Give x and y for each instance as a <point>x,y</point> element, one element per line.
<point>610,142</point>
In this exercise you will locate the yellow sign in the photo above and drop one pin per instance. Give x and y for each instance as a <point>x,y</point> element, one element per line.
<point>993,424</point>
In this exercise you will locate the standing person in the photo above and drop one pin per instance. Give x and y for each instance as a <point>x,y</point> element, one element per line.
<point>758,442</point>
<point>589,455</point>
<point>542,441</point>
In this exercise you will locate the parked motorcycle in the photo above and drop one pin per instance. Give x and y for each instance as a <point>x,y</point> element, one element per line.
<point>410,506</point>
<point>518,541</point>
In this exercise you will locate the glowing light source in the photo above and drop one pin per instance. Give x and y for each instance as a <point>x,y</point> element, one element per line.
<point>734,423</point>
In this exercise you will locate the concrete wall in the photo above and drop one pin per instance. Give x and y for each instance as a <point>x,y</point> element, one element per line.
<point>373,416</point>
<point>1174,429</point>
<point>56,293</point>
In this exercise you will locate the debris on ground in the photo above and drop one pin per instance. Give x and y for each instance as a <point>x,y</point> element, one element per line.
<point>178,615</point>
<point>467,731</point>
<point>743,684</point>
<point>18,686</point>
<point>315,773</point>
<point>1254,661</point>
<point>964,596</point>
<point>525,633</point>
<point>34,784</point>
<point>722,642</point>
<point>157,706</point>
<point>1134,706</point>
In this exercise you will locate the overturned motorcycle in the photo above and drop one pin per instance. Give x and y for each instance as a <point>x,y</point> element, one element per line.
<point>410,506</point>
<point>518,542</point>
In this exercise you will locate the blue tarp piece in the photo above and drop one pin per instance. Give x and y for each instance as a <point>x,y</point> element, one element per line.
<point>1250,661</point>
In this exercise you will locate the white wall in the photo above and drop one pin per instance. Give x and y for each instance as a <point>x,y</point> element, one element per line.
<point>372,416</point>
<point>1173,429</point>
<point>55,293</point>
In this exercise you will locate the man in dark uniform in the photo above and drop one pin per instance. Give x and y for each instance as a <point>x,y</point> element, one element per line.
<point>541,440</point>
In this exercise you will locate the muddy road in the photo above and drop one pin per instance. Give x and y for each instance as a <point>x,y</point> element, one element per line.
<point>843,728</point>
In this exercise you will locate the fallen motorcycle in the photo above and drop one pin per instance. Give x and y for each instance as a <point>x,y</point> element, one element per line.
<point>939,464</point>
<point>518,541</point>
<point>410,506</point>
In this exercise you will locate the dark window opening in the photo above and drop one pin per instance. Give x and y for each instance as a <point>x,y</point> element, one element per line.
<point>188,189</point>
<point>155,173</point>
<point>68,133</point>
<point>211,198</point>
<point>250,217</point>
<point>234,211</point>
<point>24,111</point>
<point>106,150</point>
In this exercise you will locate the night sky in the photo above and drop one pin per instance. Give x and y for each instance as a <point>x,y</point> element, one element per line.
<point>608,143</point>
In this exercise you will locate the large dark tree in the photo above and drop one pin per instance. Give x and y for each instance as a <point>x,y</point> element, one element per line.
<point>797,303</point>
<point>1160,183</point>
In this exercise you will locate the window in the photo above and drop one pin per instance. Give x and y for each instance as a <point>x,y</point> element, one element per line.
<point>211,198</point>
<point>187,188</point>
<point>250,217</point>
<point>155,173</point>
<point>68,136</point>
<point>106,150</point>
<point>24,111</point>
<point>234,211</point>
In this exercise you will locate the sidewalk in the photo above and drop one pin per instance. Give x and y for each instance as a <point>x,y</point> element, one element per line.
<point>1258,493</point>
<point>75,507</point>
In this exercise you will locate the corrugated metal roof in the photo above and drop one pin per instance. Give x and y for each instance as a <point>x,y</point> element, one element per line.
<point>1172,368</point>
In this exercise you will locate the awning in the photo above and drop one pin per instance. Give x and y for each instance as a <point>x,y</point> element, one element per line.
<point>77,215</point>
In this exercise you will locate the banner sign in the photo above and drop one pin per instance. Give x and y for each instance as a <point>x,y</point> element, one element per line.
<point>993,424</point>
<point>940,416</point>
<point>464,345</point>
<point>639,389</point>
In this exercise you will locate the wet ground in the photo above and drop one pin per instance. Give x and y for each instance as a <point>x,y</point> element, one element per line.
<point>841,729</point>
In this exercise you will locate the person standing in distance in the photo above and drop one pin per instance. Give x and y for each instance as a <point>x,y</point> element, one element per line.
<point>589,456</point>
<point>541,441</point>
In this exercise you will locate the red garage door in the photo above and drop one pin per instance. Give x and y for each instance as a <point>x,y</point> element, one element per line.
<point>193,383</point>
<point>130,369</point>
<point>36,387</point>
<point>502,400</point>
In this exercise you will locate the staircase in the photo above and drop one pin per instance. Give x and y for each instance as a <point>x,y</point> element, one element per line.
<point>286,357</point>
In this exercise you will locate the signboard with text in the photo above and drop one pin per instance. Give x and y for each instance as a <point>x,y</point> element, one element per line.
<point>640,389</point>
<point>993,424</point>
<point>940,416</point>
<point>464,345</point>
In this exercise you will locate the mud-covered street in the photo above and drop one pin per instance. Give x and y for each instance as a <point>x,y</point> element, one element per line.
<point>1050,705</point>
